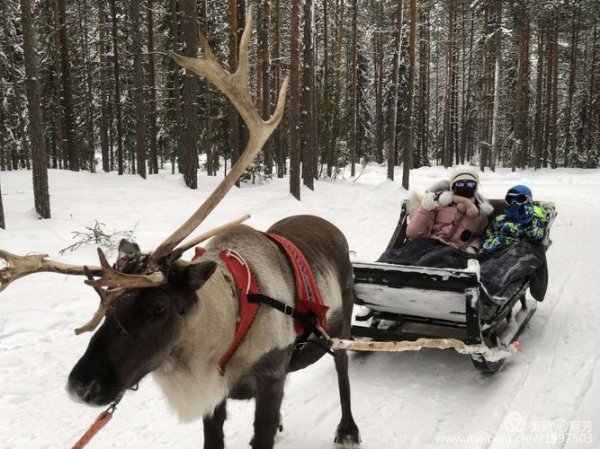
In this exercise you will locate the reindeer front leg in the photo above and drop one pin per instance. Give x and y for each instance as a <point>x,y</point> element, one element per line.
<point>266,415</point>
<point>213,428</point>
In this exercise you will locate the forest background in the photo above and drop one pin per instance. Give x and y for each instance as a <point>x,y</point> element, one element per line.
<point>89,85</point>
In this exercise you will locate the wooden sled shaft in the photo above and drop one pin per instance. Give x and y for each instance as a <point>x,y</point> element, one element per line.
<point>490,354</point>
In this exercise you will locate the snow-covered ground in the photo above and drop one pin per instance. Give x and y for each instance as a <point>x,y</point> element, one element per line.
<point>545,397</point>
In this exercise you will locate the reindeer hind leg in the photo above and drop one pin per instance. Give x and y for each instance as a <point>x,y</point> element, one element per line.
<point>347,434</point>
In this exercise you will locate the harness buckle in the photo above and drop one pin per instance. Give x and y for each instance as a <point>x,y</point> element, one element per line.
<point>288,310</point>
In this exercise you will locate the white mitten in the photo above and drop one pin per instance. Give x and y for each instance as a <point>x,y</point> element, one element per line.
<point>428,201</point>
<point>470,250</point>
<point>446,198</point>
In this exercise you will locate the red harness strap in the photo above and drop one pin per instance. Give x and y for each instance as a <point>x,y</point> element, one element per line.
<point>246,283</point>
<point>308,298</point>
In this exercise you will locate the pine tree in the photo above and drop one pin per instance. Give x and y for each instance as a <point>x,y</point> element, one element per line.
<point>38,144</point>
<point>67,88</point>
<point>117,84</point>
<point>138,88</point>
<point>190,94</point>
<point>294,111</point>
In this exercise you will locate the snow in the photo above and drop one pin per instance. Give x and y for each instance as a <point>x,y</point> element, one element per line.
<point>427,399</point>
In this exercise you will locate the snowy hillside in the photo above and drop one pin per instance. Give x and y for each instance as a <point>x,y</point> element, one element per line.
<point>545,397</point>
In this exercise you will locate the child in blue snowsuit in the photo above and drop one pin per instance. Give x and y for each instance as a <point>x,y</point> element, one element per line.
<point>522,220</point>
<point>510,251</point>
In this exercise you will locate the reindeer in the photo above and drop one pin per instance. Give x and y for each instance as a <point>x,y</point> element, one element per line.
<point>175,319</point>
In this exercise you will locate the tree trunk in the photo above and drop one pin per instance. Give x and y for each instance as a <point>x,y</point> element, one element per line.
<point>393,131</point>
<point>407,153</point>
<point>451,83</point>
<point>521,149</point>
<point>549,92</point>
<point>488,86</point>
<point>466,137</point>
<point>36,132</point>
<point>235,28</point>
<point>325,109</point>
<point>58,153</point>
<point>294,110</point>
<point>454,114</point>
<point>539,97</point>
<point>307,106</point>
<point>67,95</point>
<point>117,102</point>
<point>554,97</point>
<point>422,127</point>
<point>336,88</point>
<point>354,89</point>
<point>279,139</point>
<point>572,78</point>
<point>89,154</point>
<point>138,88</point>
<point>189,28</point>
<point>103,87</point>
<point>153,131</point>
<point>378,70</point>
<point>497,69</point>
<point>178,132</point>
<point>592,90</point>
<point>265,79</point>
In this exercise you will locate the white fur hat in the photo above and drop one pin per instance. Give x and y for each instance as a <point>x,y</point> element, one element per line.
<point>464,172</point>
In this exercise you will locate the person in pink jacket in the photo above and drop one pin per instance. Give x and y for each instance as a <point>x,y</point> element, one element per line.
<point>449,222</point>
<point>456,219</point>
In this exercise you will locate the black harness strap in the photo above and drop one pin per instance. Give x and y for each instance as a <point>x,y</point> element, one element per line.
<point>306,319</point>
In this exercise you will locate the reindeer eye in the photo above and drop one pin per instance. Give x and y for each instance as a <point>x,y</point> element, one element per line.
<point>157,311</point>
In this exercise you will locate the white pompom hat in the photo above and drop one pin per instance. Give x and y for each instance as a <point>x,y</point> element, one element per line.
<point>464,172</point>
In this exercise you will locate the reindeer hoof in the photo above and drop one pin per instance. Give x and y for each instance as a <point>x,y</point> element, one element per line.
<point>347,436</point>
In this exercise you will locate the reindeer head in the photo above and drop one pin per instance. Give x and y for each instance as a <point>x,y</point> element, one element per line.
<point>145,298</point>
<point>141,328</point>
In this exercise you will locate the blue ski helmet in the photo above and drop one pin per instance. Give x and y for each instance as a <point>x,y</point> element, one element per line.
<point>519,204</point>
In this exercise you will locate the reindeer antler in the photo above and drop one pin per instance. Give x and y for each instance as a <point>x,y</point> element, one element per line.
<point>107,296</point>
<point>113,278</point>
<point>235,87</point>
<point>205,236</point>
<point>20,266</point>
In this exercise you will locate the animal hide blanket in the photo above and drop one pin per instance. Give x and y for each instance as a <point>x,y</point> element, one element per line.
<point>499,269</point>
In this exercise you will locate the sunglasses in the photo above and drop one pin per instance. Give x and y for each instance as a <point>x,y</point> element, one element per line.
<point>465,185</point>
<point>517,198</point>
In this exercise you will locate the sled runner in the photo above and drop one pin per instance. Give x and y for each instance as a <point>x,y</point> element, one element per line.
<point>406,303</point>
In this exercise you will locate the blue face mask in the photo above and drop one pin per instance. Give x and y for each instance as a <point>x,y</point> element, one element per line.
<point>520,213</point>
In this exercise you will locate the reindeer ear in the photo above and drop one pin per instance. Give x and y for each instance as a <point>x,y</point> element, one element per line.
<point>197,274</point>
<point>126,247</point>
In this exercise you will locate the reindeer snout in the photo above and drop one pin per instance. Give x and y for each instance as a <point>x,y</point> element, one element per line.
<point>87,392</point>
<point>89,388</point>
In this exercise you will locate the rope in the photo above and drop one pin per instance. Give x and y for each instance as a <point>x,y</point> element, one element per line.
<point>490,354</point>
<point>102,419</point>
